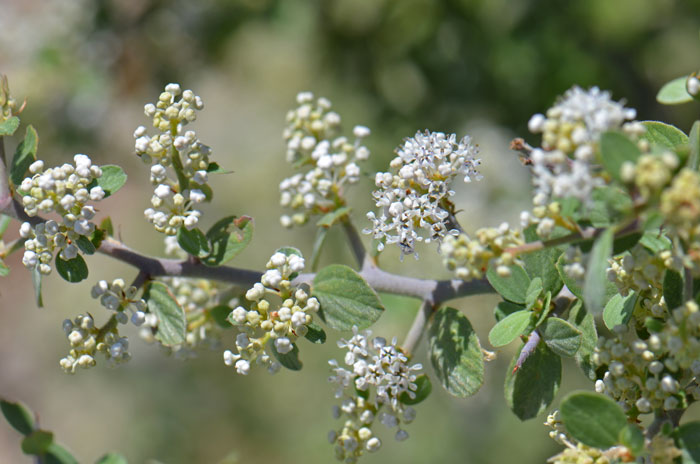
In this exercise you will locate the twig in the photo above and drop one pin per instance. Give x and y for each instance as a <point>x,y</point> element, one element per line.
<point>414,333</point>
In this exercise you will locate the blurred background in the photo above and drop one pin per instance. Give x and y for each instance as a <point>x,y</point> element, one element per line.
<point>478,67</point>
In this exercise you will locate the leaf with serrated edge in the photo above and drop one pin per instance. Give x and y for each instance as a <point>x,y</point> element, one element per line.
<point>346,299</point>
<point>593,419</point>
<point>455,353</point>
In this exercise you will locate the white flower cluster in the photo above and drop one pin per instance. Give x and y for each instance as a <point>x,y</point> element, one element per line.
<point>379,375</point>
<point>174,200</point>
<point>65,190</point>
<point>414,198</point>
<point>117,297</point>
<point>266,327</point>
<point>563,167</point>
<point>647,374</point>
<point>197,297</point>
<point>86,341</point>
<point>333,160</point>
<point>470,258</point>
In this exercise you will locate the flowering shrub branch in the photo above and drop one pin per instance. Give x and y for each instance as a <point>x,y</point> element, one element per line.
<point>602,270</point>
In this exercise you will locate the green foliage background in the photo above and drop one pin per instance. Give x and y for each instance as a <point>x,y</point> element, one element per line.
<point>468,66</point>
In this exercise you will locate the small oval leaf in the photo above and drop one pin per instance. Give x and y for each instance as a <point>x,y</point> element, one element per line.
<point>594,287</point>
<point>289,360</point>
<point>619,309</point>
<point>510,328</point>
<point>593,419</point>
<point>37,442</point>
<point>315,333</point>
<point>512,288</point>
<point>663,134</point>
<point>455,353</point>
<point>227,238</point>
<point>424,387</point>
<point>19,416</point>
<point>171,317</point>
<point>112,179</point>
<point>346,299</point>
<point>561,337</point>
<point>73,270</point>
<point>615,150</point>
<point>530,389</point>
<point>674,92</point>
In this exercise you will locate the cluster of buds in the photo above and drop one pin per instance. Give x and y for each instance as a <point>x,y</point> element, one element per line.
<point>470,258</point>
<point>577,453</point>
<point>640,271</point>
<point>563,166</point>
<point>371,389</point>
<point>174,201</point>
<point>414,198</point>
<point>651,172</point>
<point>268,325</point>
<point>197,297</point>
<point>647,374</point>
<point>311,141</point>
<point>122,300</point>
<point>86,341</point>
<point>65,190</point>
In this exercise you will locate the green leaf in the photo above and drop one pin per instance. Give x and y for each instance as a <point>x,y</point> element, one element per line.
<point>171,316</point>
<point>561,337</point>
<point>85,245</point>
<point>615,149</point>
<point>112,458</point>
<point>594,287</point>
<point>214,168</point>
<point>633,438</point>
<point>18,415</point>
<point>663,134</point>
<point>512,288</point>
<point>530,390</point>
<point>321,235</point>
<point>36,283</point>
<point>73,270</point>
<point>220,314</point>
<point>57,454</point>
<point>346,299</point>
<point>510,328</point>
<point>424,387</point>
<point>25,155</point>
<point>570,283</point>
<point>611,204</point>
<point>4,270</point>
<point>541,263</point>
<point>455,353</point>
<point>228,237</point>
<point>688,436</point>
<point>5,222</point>
<point>333,217</point>
<point>655,241</point>
<point>289,360</point>
<point>694,142</point>
<point>619,309</point>
<point>654,325</point>
<point>37,442</point>
<point>315,333</point>
<point>193,242</point>
<point>546,309</point>
<point>112,179</point>
<point>107,227</point>
<point>9,126</point>
<point>585,322</point>
<point>673,289</point>
<point>533,292</point>
<point>504,308</point>
<point>674,92</point>
<point>593,419</point>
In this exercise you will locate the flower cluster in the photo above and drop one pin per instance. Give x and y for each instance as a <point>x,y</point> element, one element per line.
<point>65,190</point>
<point>117,297</point>
<point>86,341</point>
<point>311,141</point>
<point>414,198</point>
<point>379,377</point>
<point>646,374</point>
<point>650,173</point>
<point>470,258</point>
<point>174,201</point>
<point>268,328</point>
<point>563,166</point>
